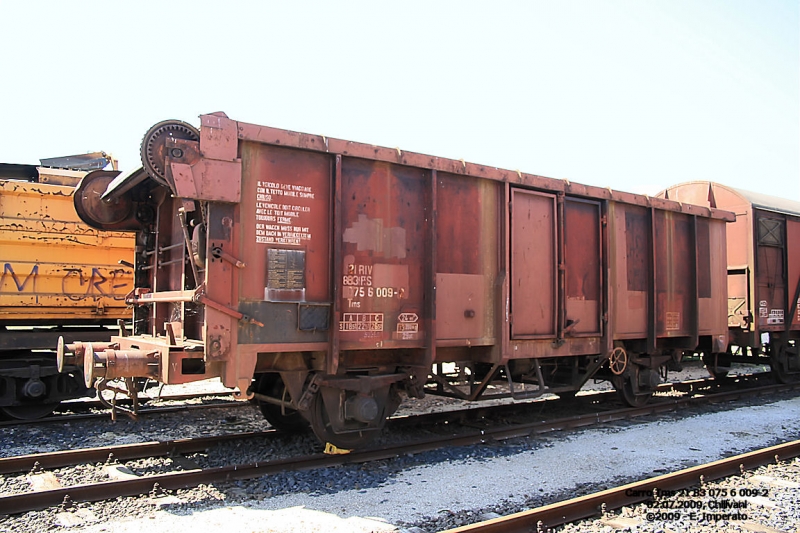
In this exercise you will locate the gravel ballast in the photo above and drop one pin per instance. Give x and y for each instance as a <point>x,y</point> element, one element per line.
<point>452,487</point>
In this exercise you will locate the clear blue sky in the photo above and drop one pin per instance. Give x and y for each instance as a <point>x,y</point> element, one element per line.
<point>632,94</point>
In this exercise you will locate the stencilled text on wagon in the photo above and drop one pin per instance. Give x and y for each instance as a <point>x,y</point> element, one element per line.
<point>281,213</point>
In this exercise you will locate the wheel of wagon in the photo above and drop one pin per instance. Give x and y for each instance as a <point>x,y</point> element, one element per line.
<point>624,388</point>
<point>279,416</point>
<point>28,412</point>
<point>718,364</point>
<point>321,424</point>
<point>783,359</point>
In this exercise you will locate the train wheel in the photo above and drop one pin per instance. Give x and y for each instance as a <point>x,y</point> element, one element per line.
<point>279,416</point>
<point>783,363</point>
<point>718,365</point>
<point>320,423</point>
<point>28,412</point>
<point>624,388</point>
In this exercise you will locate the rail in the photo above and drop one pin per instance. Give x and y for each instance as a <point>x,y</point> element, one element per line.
<point>25,502</point>
<point>592,504</point>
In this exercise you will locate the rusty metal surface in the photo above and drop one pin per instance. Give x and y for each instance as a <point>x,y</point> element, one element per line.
<point>467,252</point>
<point>770,272</point>
<point>294,242</point>
<point>157,146</point>
<point>676,279</point>
<point>668,281</point>
<point>762,259</point>
<point>534,265</point>
<point>382,258</point>
<point>265,134</point>
<point>583,263</point>
<point>92,209</point>
<point>713,309</point>
<point>285,225</point>
<point>793,268</point>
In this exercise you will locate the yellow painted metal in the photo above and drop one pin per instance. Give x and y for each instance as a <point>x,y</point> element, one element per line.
<point>55,267</point>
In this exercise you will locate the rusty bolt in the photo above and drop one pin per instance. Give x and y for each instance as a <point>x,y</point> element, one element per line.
<point>215,346</point>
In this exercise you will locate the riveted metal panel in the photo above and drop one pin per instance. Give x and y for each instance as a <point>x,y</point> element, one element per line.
<point>533,264</point>
<point>770,271</point>
<point>630,269</point>
<point>467,241</point>
<point>285,224</point>
<point>675,274</point>
<point>383,255</point>
<point>793,251</point>
<point>582,262</point>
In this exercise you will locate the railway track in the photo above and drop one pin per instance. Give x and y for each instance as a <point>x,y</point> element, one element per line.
<point>19,503</point>
<point>94,409</point>
<point>475,412</point>
<point>658,489</point>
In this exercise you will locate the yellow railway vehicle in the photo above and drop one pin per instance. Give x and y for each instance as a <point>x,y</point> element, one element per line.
<point>59,277</point>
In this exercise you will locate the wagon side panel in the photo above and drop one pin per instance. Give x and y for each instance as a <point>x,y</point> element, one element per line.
<point>630,265</point>
<point>793,253</point>
<point>54,267</point>
<point>467,240</point>
<point>384,227</point>
<point>285,228</point>
<point>770,270</point>
<point>534,264</point>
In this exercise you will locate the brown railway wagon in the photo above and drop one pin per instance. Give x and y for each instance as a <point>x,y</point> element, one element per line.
<point>324,276</point>
<point>763,256</point>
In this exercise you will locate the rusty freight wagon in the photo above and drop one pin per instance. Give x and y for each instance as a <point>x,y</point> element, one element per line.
<point>323,277</point>
<point>60,278</point>
<point>763,259</point>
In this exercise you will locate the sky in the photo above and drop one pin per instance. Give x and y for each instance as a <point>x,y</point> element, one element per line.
<point>635,95</point>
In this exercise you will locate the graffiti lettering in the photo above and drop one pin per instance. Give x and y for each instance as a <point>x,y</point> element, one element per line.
<point>97,285</point>
<point>8,269</point>
<point>76,284</point>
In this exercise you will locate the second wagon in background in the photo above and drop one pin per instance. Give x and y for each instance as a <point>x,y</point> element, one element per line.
<point>763,256</point>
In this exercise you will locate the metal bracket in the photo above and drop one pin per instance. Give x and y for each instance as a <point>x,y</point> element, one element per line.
<point>205,300</point>
<point>304,404</point>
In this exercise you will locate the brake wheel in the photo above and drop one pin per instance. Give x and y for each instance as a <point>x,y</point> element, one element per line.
<point>154,146</point>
